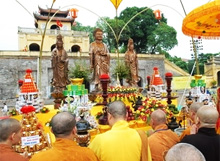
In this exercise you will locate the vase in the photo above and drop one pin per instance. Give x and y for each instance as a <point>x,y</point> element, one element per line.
<point>197,77</point>
<point>77,81</point>
<point>121,81</point>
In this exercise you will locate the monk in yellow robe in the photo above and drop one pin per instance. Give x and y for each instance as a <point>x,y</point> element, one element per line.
<point>121,143</point>
<point>64,148</point>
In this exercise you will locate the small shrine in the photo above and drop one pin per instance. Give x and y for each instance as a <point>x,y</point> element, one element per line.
<point>34,139</point>
<point>29,94</point>
<point>156,85</point>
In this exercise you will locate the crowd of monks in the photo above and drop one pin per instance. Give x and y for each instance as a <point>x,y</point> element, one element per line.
<point>122,142</point>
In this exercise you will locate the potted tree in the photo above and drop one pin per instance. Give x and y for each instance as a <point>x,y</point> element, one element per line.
<point>81,70</point>
<point>121,71</point>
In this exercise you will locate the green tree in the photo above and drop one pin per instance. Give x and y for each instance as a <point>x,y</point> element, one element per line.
<point>80,27</point>
<point>190,66</point>
<point>167,55</point>
<point>163,37</point>
<point>179,62</point>
<point>202,58</point>
<point>182,64</point>
<point>141,27</point>
<point>109,37</point>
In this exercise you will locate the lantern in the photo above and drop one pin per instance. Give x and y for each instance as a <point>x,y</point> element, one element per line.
<point>73,12</point>
<point>157,14</point>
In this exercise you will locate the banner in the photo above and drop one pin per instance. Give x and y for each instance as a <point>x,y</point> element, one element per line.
<point>30,140</point>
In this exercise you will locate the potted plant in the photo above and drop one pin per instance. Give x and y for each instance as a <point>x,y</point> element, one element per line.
<point>80,70</point>
<point>213,83</point>
<point>121,71</point>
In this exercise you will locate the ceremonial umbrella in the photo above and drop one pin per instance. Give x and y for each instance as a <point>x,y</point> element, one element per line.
<point>204,21</point>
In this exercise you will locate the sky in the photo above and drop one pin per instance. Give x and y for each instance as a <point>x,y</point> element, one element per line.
<point>14,15</point>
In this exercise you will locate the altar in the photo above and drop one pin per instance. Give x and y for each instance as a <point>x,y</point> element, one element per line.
<point>44,119</point>
<point>75,99</point>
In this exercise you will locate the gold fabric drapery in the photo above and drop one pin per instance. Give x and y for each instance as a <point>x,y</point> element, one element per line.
<point>203,21</point>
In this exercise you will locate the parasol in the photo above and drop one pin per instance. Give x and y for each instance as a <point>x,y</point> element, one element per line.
<point>203,21</point>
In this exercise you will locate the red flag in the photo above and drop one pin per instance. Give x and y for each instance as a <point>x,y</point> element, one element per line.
<point>59,23</point>
<point>74,23</point>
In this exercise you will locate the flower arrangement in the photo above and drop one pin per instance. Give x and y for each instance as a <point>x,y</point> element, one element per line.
<point>13,112</point>
<point>27,108</point>
<point>44,110</point>
<point>125,94</point>
<point>150,105</point>
<point>122,90</point>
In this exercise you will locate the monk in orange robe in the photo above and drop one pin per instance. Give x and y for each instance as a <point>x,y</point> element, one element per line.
<point>163,138</point>
<point>10,134</point>
<point>64,148</point>
<point>191,127</point>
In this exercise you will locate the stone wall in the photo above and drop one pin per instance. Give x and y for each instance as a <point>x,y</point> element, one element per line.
<point>14,64</point>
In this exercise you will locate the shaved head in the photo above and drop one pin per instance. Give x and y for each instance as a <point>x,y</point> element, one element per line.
<point>193,110</point>
<point>208,116</point>
<point>195,106</point>
<point>117,109</point>
<point>159,117</point>
<point>183,152</point>
<point>7,127</point>
<point>62,124</point>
